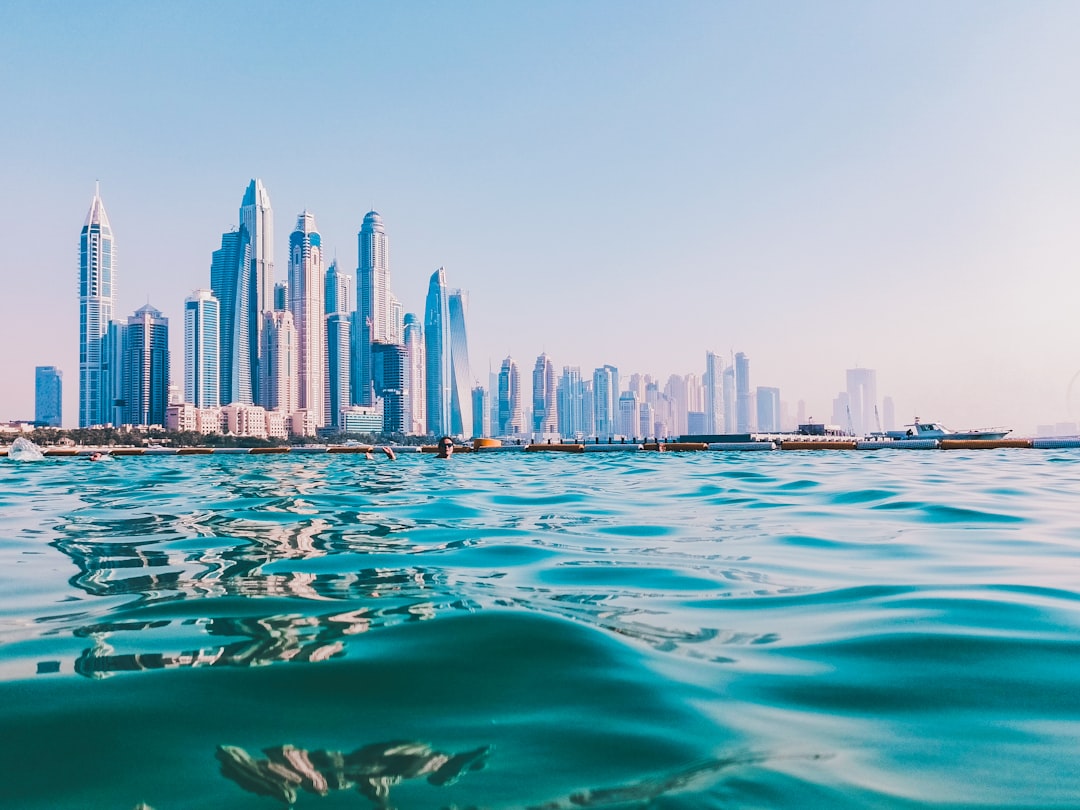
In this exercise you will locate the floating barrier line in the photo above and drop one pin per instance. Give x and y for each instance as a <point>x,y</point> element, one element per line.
<point>492,446</point>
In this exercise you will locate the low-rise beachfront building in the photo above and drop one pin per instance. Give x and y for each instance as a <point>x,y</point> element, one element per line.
<point>361,419</point>
<point>277,424</point>
<point>245,420</point>
<point>302,423</point>
<point>182,418</point>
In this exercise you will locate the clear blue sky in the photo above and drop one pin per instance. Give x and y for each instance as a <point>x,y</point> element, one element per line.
<point>818,185</point>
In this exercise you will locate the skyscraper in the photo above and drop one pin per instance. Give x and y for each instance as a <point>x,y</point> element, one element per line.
<point>545,405</point>
<point>629,414</point>
<point>48,396</point>
<point>461,379</point>
<point>389,365</point>
<point>202,374</point>
<point>606,401</point>
<point>231,284</point>
<point>571,404</point>
<point>97,272</point>
<point>481,409</point>
<point>372,298</point>
<point>768,409</point>
<point>307,291</point>
<point>436,344</point>
<point>338,289</point>
<point>713,383</point>
<point>257,230</point>
<point>510,415</point>
<point>862,400</point>
<point>146,367</point>
<point>729,400</point>
<point>415,402</point>
<point>743,415</point>
<point>338,366</point>
<point>278,361</point>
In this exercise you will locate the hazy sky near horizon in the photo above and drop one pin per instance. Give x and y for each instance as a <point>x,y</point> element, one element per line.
<point>819,185</point>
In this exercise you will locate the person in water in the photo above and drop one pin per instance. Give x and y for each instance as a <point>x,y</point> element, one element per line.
<point>389,454</point>
<point>445,447</point>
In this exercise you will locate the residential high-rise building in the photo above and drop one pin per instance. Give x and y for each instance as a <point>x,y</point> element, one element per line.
<point>372,299</point>
<point>545,403</point>
<point>888,413</point>
<point>481,412</point>
<point>281,296</point>
<point>437,349</point>
<point>730,421</point>
<point>768,409</point>
<point>743,413</point>
<point>48,396</point>
<point>338,366</point>
<point>629,415</point>
<point>307,288</point>
<point>257,233</point>
<point>113,370</point>
<point>415,403</point>
<point>389,364</point>
<point>338,290</point>
<point>97,273</point>
<point>461,379</point>
<point>230,282</point>
<point>713,384</point>
<point>146,367</point>
<point>606,401</point>
<point>278,361</point>
<point>511,420</point>
<point>862,400</point>
<point>202,374</point>
<point>571,404</point>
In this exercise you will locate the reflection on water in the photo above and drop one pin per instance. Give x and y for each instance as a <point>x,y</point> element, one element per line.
<point>372,769</point>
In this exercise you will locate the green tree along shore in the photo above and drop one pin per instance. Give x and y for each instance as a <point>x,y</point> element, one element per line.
<point>120,437</point>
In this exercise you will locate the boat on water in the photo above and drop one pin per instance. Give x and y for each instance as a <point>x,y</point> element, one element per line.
<point>936,430</point>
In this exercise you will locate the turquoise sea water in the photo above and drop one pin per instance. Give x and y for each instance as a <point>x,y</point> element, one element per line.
<point>759,630</point>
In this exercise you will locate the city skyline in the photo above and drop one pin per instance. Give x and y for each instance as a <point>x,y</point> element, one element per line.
<point>897,192</point>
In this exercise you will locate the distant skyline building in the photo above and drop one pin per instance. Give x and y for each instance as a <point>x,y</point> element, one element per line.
<point>146,367</point>
<point>338,290</point>
<point>511,421</point>
<point>257,234</point>
<point>437,379</point>
<point>713,385</point>
<point>415,401</point>
<point>481,409</point>
<point>389,364</point>
<point>48,396</point>
<point>570,396</point>
<point>202,373</point>
<point>606,401</point>
<point>629,421</point>
<point>743,406</point>
<point>888,413</point>
<point>461,378</point>
<point>338,366</point>
<point>372,298</point>
<point>97,274</point>
<point>545,401</point>
<point>862,400</point>
<point>768,409</point>
<point>307,289</point>
<point>279,358</point>
<point>231,284</point>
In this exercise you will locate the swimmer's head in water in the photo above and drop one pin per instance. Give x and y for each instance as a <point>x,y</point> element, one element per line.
<point>445,447</point>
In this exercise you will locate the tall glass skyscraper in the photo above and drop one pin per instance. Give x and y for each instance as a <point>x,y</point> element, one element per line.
<point>338,351</point>
<point>48,396</point>
<point>257,229</point>
<point>146,367</point>
<point>713,383</point>
<point>511,421</point>
<point>415,402</point>
<point>373,299</point>
<point>436,343</point>
<point>97,272</point>
<point>606,401</point>
<point>743,415</point>
<point>230,282</point>
<point>201,346</point>
<point>307,291</point>
<point>278,360</point>
<point>545,412</point>
<point>461,379</point>
<point>573,415</point>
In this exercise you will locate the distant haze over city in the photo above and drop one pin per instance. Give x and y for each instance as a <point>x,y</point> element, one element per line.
<point>821,187</point>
